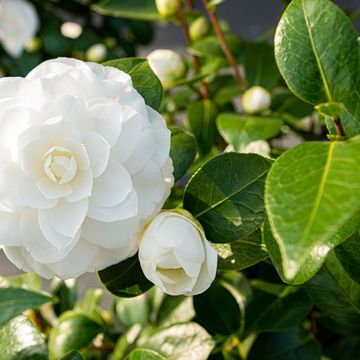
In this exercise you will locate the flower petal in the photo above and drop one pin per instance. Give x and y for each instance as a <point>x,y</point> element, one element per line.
<point>81,186</point>
<point>53,190</point>
<point>31,158</point>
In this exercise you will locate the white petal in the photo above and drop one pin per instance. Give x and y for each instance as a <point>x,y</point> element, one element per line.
<point>58,128</point>
<point>9,86</point>
<point>81,186</point>
<point>66,218</point>
<point>79,151</point>
<point>31,158</point>
<point>10,177</point>
<point>125,210</point>
<point>30,195</point>
<point>10,234</point>
<point>98,150</point>
<point>52,190</point>
<point>112,187</point>
<point>110,235</point>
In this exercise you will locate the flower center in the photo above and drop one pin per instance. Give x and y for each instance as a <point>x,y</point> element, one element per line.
<point>60,165</point>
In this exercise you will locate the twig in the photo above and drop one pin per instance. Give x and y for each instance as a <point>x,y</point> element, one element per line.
<point>229,55</point>
<point>204,90</point>
<point>338,127</point>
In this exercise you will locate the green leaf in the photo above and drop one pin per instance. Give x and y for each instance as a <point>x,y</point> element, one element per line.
<point>260,65</point>
<point>134,9</point>
<point>336,294</point>
<point>183,341</point>
<point>349,255</point>
<point>332,109</point>
<point>145,354</point>
<point>72,355</point>
<point>241,130</point>
<point>182,151</point>
<point>144,79</point>
<point>66,292</point>
<point>350,118</point>
<point>29,281</point>
<point>217,310</point>
<point>317,36</point>
<point>201,117</point>
<point>14,301</point>
<point>89,305</point>
<point>241,254</point>
<point>175,309</point>
<point>310,207</point>
<point>289,345</point>
<point>125,279</point>
<point>73,332</point>
<point>20,340</point>
<point>132,311</point>
<point>274,307</point>
<point>347,348</point>
<point>226,195</point>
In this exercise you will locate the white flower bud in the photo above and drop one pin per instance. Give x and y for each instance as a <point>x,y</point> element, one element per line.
<point>167,65</point>
<point>166,8</point>
<point>198,28</point>
<point>255,100</point>
<point>71,30</point>
<point>175,255</point>
<point>96,53</point>
<point>260,147</point>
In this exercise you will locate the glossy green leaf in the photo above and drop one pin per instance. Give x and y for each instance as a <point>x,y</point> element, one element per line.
<point>317,36</point>
<point>201,117</point>
<point>66,293</point>
<point>350,118</point>
<point>241,254</point>
<point>14,301</point>
<point>29,281</point>
<point>182,151</point>
<point>289,345</point>
<point>90,304</point>
<point>241,130</point>
<point>336,295</point>
<point>73,332</point>
<point>332,109</point>
<point>349,255</point>
<point>347,348</point>
<point>311,208</point>
<point>134,9</point>
<point>260,65</point>
<point>275,307</point>
<point>143,78</point>
<point>21,340</point>
<point>188,341</point>
<point>217,310</point>
<point>226,195</point>
<point>72,355</point>
<point>125,279</point>
<point>145,354</point>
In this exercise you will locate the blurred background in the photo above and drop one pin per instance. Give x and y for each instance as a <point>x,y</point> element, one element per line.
<point>248,18</point>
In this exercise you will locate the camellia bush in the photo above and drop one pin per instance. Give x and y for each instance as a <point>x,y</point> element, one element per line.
<point>216,193</point>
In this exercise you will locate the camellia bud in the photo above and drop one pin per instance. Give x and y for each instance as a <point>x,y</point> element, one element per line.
<point>96,53</point>
<point>255,100</point>
<point>166,8</point>
<point>33,45</point>
<point>175,255</point>
<point>198,28</point>
<point>167,65</point>
<point>260,147</point>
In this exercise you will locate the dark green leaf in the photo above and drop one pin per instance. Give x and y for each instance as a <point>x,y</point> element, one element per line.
<point>241,254</point>
<point>145,354</point>
<point>310,207</point>
<point>134,9</point>
<point>201,117</point>
<point>182,151</point>
<point>336,294</point>
<point>73,332</point>
<point>289,345</point>
<point>66,292</point>
<point>14,301</point>
<point>226,195</point>
<point>125,279</point>
<point>350,118</point>
<point>20,340</point>
<point>144,79</point>
<point>317,36</point>
<point>347,348</point>
<point>241,130</point>
<point>72,355</point>
<point>217,310</point>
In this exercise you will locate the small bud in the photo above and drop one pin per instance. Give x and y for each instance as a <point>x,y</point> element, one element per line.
<point>71,30</point>
<point>198,28</point>
<point>110,42</point>
<point>166,8</point>
<point>167,65</point>
<point>260,147</point>
<point>96,53</point>
<point>255,100</point>
<point>33,45</point>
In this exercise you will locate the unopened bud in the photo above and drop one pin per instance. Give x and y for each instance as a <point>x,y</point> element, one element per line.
<point>166,8</point>
<point>255,100</point>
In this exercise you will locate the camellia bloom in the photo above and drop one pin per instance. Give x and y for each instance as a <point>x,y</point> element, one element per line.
<point>18,24</point>
<point>255,100</point>
<point>167,65</point>
<point>84,165</point>
<point>175,255</point>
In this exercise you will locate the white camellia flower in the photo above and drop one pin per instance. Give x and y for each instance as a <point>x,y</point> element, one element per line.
<point>167,65</point>
<point>84,165</point>
<point>175,255</point>
<point>18,24</point>
<point>255,100</point>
